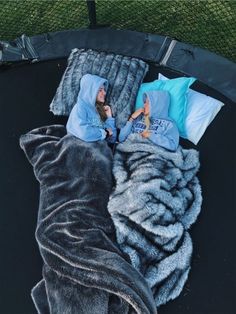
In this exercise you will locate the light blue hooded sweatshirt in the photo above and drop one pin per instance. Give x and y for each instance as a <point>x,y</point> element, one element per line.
<point>163,130</point>
<point>84,121</point>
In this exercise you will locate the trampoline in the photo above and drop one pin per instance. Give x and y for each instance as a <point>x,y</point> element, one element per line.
<point>26,91</point>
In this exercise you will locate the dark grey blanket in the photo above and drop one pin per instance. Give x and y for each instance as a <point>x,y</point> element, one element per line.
<point>84,270</point>
<point>157,197</point>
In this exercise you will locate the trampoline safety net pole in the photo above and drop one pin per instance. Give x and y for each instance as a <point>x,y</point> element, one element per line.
<point>92,13</point>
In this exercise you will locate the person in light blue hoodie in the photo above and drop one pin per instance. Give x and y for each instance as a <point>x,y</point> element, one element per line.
<point>152,121</point>
<point>91,120</point>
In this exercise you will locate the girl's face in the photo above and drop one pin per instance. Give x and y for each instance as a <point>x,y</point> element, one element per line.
<point>101,94</point>
<point>146,107</point>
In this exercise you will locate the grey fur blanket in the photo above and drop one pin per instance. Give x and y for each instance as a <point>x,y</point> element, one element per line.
<point>84,270</point>
<point>157,197</point>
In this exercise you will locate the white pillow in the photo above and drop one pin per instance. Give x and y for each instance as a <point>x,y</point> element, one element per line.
<point>201,110</point>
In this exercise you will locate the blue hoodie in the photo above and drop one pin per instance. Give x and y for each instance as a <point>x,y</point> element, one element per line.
<point>163,130</point>
<point>84,121</point>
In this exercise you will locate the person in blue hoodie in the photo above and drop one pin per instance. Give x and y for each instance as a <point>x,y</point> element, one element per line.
<point>91,120</point>
<point>152,121</point>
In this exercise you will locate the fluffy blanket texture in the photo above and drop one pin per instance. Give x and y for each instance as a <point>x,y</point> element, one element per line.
<point>157,197</point>
<point>84,270</point>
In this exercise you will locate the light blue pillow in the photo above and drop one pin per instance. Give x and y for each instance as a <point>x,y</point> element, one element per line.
<point>178,89</point>
<point>201,111</point>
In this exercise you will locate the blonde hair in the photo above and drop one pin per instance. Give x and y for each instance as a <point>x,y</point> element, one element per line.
<point>147,121</point>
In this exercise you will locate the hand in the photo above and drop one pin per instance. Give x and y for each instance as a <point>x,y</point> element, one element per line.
<point>108,111</point>
<point>137,113</point>
<point>109,132</point>
<point>145,134</point>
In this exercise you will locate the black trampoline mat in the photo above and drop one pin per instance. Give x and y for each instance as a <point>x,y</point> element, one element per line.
<point>26,92</point>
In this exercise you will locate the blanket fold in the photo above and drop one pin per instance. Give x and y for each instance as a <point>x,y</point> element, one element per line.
<point>156,199</point>
<point>84,269</point>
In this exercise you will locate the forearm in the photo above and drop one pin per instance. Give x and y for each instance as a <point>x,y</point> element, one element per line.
<point>110,124</point>
<point>125,131</point>
<point>87,133</point>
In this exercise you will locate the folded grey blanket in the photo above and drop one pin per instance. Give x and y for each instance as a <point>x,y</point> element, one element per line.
<point>157,197</point>
<point>84,270</point>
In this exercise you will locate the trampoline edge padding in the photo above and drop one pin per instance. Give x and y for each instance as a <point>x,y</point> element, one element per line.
<point>211,69</point>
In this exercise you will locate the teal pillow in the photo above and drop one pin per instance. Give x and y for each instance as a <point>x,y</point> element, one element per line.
<point>178,89</point>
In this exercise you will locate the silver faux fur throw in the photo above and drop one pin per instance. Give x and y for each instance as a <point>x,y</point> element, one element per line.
<point>84,270</point>
<point>124,74</point>
<point>156,199</point>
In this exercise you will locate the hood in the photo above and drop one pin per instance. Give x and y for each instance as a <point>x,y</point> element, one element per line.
<point>159,103</point>
<point>89,86</point>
